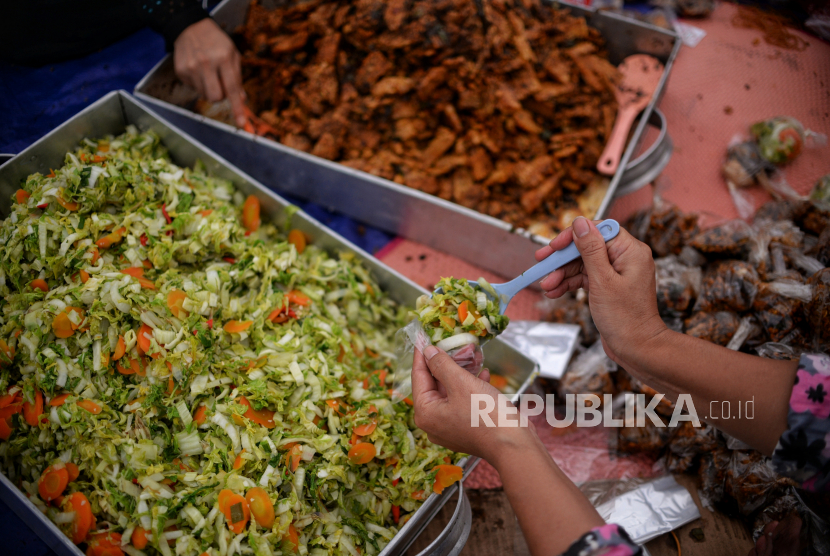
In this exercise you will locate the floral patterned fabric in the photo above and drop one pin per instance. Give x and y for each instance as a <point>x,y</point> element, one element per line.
<point>608,540</point>
<point>803,452</point>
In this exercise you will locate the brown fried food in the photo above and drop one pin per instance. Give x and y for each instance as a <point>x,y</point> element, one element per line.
<point>728,285</point>
<point>818,310</point>
<point>727,240</point>
<point>717,328</point>
<point>777,314</point>
<point>503,107</point>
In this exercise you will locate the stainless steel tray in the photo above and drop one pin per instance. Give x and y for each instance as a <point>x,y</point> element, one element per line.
<point>499,247</point>
<point>111,115</point>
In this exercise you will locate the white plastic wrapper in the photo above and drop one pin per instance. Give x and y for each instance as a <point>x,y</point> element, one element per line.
<point>651,509</point>
<point>411,337</point>
<point>550,344</point>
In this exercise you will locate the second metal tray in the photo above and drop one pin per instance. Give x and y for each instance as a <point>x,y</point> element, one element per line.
<point>498,246</point>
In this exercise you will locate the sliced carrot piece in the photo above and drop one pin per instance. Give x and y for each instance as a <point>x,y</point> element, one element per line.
<point>418,495</point>
<point>6,353</point>
<point>21,196</point>
<point>58,401</point>
<point>39,284</point>
<point>90,406</point>
<point>68,205</point>
<point>32,411</point>
<point>200,417</point>
<point>298,297</point>
<point>206,213</point>
<point>62,326</point>
<point>73,471</point>
<point>362,453</point>
<point>134,271</point>
<point>297,238</point>
<point>120,349</point>
<point>95,255</point>
<point>78,529</point>
<point>104,544</point>
<point>236,326</point>
<point>498,381</point>
<point>380,373</point>
<point>175,299</point>
<point>367,428</point>
<point>145,334</point>
<point>112,238</point>
<point>84,276</point>
<point>261,507</point>
<point>295,454</point>
<point>291,540</point>
<point>445,476</point>
<point>250,214</point>
<point>52,482</point>
<point>5,428</point>
<point>146,283</point>
<point>140,538</point>
<point>237,513</point>
<point>262,416</point>
<point>239,461</point>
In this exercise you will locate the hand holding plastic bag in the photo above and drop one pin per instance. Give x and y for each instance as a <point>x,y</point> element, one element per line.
<point>412,337</point>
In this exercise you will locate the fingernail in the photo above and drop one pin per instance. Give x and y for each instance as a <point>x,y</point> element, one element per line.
<point>581,227</point>
<point>430,352</point>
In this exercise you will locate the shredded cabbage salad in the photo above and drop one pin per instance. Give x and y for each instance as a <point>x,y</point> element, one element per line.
<point>178,377</point>
<point>460,313</point>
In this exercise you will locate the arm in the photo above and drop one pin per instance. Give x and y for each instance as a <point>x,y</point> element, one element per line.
<point>552,512</point>
<point>204,57</point>
<point>621,287</point>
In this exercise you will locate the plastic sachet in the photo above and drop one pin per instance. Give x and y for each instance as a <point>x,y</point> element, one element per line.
<point>818,309</point>
<point>588,373</point>
<point>664,227</point>
<point>413,336</point>
<point>821,191</point>
<point>781,139</point>
<point>717,327</point>
<point>730,239</point>
<point>728,285</point>
<point>677,285</point>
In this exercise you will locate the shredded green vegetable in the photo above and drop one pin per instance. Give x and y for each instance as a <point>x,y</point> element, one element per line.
<point>248,364</point>
<point>443,317</point>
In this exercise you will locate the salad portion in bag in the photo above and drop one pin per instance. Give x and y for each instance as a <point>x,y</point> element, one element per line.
<point>461,314</point>
<point>177,376</point>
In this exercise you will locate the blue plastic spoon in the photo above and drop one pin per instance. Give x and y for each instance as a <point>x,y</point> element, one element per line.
<point>609,230</point>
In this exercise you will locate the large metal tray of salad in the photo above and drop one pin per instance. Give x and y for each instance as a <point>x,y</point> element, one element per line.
<point>189,366</point>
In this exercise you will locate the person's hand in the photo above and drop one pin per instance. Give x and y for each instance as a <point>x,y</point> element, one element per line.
<point>619,278</point>
<point>206,59</point>
<point>442,392</point>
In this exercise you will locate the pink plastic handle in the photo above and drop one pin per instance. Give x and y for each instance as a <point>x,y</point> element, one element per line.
<point>610,159</point>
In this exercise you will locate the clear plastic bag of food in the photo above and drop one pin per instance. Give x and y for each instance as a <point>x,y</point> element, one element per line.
<point>663,227</point>
<point>728,285</point>
<point>589,372</point>
<point>818,310</point>
<point>717,327</point>
<point>782,138</point>
<point>677,285</point>
<point>821,191</point>
<point>411,337</point>
<point>778,350</point>
<point>730,239</point>
<point>821,250</point>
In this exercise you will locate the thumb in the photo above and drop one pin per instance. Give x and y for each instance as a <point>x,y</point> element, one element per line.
<point>591,246</point>
<point>442,367</point>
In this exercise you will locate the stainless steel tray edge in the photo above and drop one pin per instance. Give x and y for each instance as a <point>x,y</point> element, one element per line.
<point>111,114</point>
<point>397,208</point>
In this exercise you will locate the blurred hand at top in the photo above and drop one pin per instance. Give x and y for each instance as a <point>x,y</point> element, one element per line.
<point>206,59</point>
<point>619,278</point>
